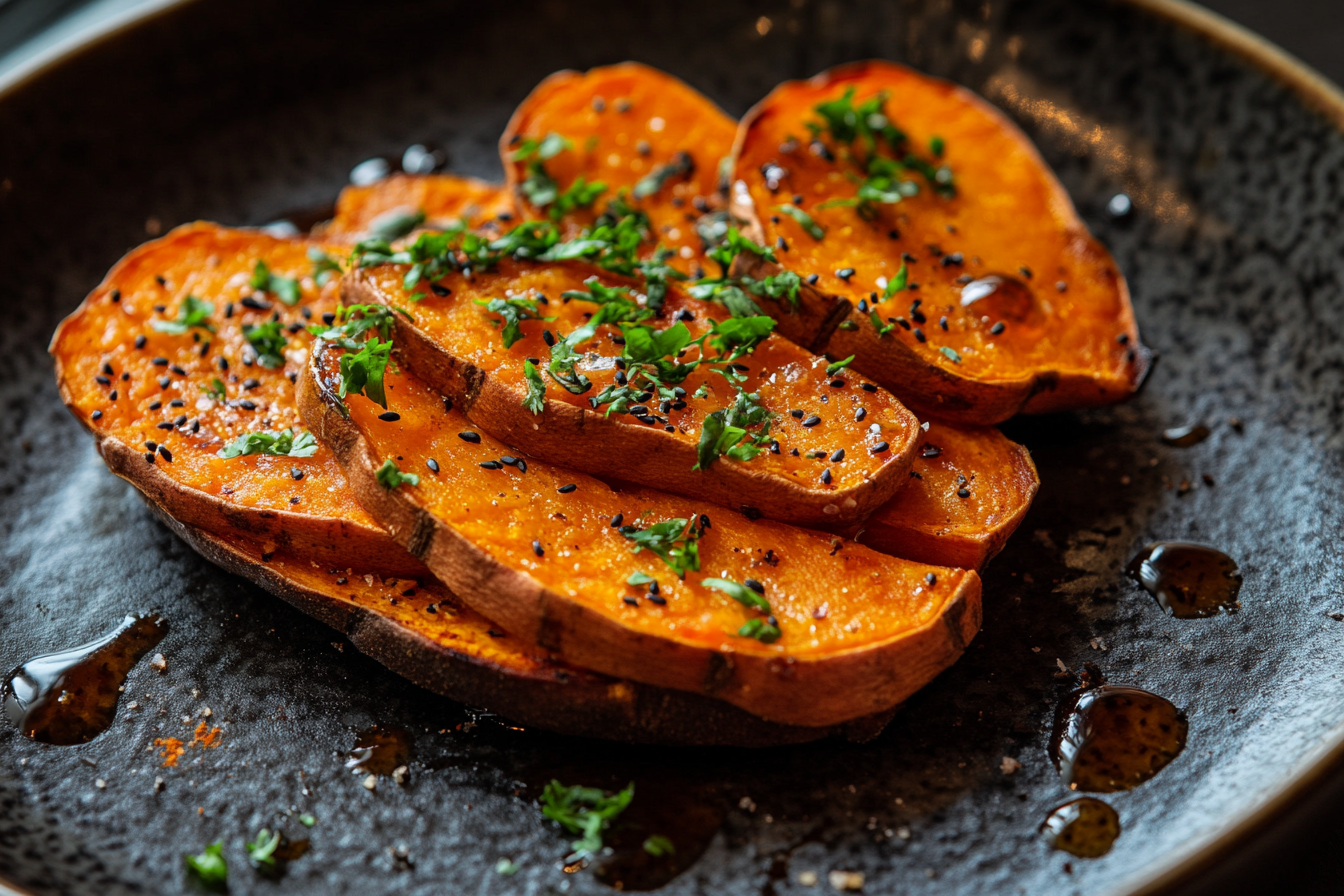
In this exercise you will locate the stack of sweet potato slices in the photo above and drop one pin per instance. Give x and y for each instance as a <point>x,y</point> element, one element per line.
<point>644,444</point>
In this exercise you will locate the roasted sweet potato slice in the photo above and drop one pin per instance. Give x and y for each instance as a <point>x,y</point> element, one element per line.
<point>405,200</point>
<point>290,523</point>
<point>975,291</point>
<point>633,129</point>
<point>970,487</point>
<point>791,625</point>
<point>832,446</point>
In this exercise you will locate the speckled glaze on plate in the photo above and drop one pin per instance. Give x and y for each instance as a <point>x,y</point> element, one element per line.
<point>241,112</point>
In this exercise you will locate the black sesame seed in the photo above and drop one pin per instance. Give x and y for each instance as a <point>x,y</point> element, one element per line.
<point>1123,339</point>
<point>164,382</point>
<point>509,460</point>
<point>812,420</point>
<point>432,464</point>
<point>566,489</point>
<point>1061,286</point>
<point>389,416</point>
<point>812,279</point>
<point>112,396</point>
<point>997,328</point>
<point>247,405</point>
<point>537,549</point>
<point>473,437</point>
<point>918,316</point>
<point>878,448</point>
<point>900,320</point>
<point>954,258</point>
<point>860,414</point>
<point>223,363</point>
<point>930,451</point>
<point>116,295</point>
<point>826,477</point>
<point>548,336</point>
<point>837,383</point>
<point>165,454</point>
<point>620,378</point>
<point>439,290</point>
<point>295,473</point>
<point>670,428</point>
<point>492,465</point>
<point>838,455</point>
<point>617,520</point>
<point>97,415</point>
<point>178,370</point>
<point>660,601</point>
<point>963,493</point>
<point>102,380</point>
<point>704,521</point>
<point>919,335</point>
<point>152,446</point>
<point>639,410</point>
<point>256,304</point>
<point>160,362</point>
<point>164,425</point>
<point>632,601</point>
<point>931,579</point>
<point>796,414</point>
<point>942,322</point>
<point>140,341</point>
<point>178,421</point>
<point>251,383</point>
<point>845,273</point>
<point>328,318</point>
<point>150,457</point>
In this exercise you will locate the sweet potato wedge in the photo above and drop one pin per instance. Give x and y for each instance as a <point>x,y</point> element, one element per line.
<point>291,524</point>
<point>793,626</point>
<point>440,198</point>
<point>929,520</point>
<point>1008,305</point>
<point>634,129</point>
<point>835,450</point>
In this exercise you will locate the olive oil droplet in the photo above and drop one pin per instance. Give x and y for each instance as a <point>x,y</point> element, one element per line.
<point>379,751</point>
<point>70,697</point>
<point>1185,436</point>
<point>1085,827</point>
<point>1110,737</point>
<point>998,297</point>
<point>1190,581</point>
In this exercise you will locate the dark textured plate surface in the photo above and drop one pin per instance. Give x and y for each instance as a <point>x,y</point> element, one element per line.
<point>240,112</point>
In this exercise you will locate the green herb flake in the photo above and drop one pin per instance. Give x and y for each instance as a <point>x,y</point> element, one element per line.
<point>897,283</point>
<point>507,867</point>
<point>936,146</point>
<point>512,312</point>
<point>950,354</point>
<point>658,846</point>
<point>726,432</point>
<point>396,224</point>
<point>362,372</point>
<point>764,630</point>
<point>760,629</point>
<point>307,820</point>
<point>673,541</point>
<point>268,341</point>
<point>286,289</point>
<point>536,389</point>
<point>804,220</point>
<point>261,852</point>
<point>881,328</point>
<point>209,866</point>
<point>584,810</point>
<point>277,444</point>
<point>214,391</point>
<point>389,476</point>
<point>324,266</point>
<point>639,578</point>
<point>193,312</point>
<point>833,369</point>
<point>680,166</point>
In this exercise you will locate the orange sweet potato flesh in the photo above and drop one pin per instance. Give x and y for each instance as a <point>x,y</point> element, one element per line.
<point>842,453</point>
<point>443,198</point>
<point>625,122</point>
<point>1068,339</point>
<point>861,631</point>
<point>324,554</point>
<point>930,521</point>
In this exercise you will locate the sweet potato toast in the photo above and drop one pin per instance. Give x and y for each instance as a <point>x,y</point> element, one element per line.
<point>290,523</point>
<point>633,129</point>
<point>791,625</point>
<point>430,200</point>
<point>811,446</point>
<point>969,489</point>
<point>974,290</point>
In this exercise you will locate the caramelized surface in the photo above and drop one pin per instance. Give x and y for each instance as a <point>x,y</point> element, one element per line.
<point>864,439</point>
<point>860,630</point>
<point>625,121</point>
<point>443,198</point>
<point>1068,328</point>
<point>929,520</point>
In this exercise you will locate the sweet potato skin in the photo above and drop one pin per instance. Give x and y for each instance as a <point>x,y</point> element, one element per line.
<point>444,198</point>
<point>1070,339</point>
<point>548,566</point>
<point>929,521</point>
<point>237,513</point>
<point>455,347</point>
<point>625,121</point>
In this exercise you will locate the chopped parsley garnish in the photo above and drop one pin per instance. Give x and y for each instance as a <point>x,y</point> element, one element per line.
<point>261,852</point>
<point>268,341</point>
<point>862,134</point>
<point>209,866</point>
<point>278,444</point>
<point>579,194</point>
<point>725,432</point>
<point>673,541</point>
<point>286,289</point>
<point>324,266</point>
<point>512,312</point>
<point>362,372</point>
<point>396,224</point>
<point>389,476</point>
<point>737,336</point>
<point>564,359</point>
<point>617,305</point>
<point>897,283</point>
<point>193,312</point>
<point>804,220</point>
<point>680,166</point>
<point>950,354</point>
<point>764,630</point>
<point>881,328</point>
<point>584,810</point>
<point>833,369</point>
<point>215,390</point>
<point>658,845</point>
<point>732,292</point>
<point>639,578</point>
<point>536,388</point>
<point>354,321</point>
<point>538,186</point>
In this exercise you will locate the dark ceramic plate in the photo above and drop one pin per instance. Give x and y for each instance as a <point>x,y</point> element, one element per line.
<point>242,112</point>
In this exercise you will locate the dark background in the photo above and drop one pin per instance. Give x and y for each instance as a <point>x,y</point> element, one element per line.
<point>1297,854</point>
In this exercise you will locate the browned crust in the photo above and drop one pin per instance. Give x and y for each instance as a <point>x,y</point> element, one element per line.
<point>968,551</point>
<point>827,691</point>
<point>559,698</point>
<point>573,436</point>
<point>928,388</point>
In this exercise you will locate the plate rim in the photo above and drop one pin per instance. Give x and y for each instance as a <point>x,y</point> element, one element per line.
<point>1317,92</point>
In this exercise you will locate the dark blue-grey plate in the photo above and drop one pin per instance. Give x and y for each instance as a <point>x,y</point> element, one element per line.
<point>1231,155</point>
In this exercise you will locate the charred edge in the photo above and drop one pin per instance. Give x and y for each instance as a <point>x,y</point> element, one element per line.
<point>550,628</point>
<point>719,674</point>
<point>832,322</point>
<point>421,538</point>
<point>473,381</point>
<point>952,619</point>
<point>1044,382</point>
